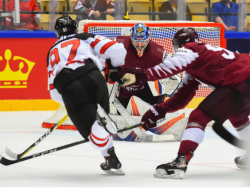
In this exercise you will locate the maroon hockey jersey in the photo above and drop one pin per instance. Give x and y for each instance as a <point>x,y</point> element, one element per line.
<point>203,63</point>
<point>152,56</point>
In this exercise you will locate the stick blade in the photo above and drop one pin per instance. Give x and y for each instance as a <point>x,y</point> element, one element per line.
<point>227,136</point>
<point>5,161</point>
<point>10,153</point>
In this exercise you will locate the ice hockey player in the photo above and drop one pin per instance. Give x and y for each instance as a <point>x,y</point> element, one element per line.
<point>225,71</point>
<point>142,53</point>
<point>75,81</point>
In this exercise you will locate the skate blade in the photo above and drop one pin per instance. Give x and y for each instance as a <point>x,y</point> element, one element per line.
<point>161,173</point>
<point>243,167</point>
<point>115,171</point>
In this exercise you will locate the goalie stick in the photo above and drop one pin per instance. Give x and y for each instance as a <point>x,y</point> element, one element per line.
<point>227,136</point>
<point>7,162</point>
<point>18,156</point>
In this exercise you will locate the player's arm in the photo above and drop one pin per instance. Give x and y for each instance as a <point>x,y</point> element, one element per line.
<point>178,101</point>
<point>184,95</point>
<point>113,52</point>
<point>180,62</point>
<point>108,49</point>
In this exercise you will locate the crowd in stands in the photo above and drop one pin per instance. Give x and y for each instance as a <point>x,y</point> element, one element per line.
<point>99,9</point>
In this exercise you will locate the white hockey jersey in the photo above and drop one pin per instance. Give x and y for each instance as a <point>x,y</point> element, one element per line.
<point>73,50</point>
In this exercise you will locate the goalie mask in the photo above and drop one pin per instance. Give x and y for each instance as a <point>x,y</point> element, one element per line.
<point>184,36</point>
<point>65,25</point>
<point>140,35</point>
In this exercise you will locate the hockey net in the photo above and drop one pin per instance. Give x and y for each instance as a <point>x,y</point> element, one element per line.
<point>162,32</point>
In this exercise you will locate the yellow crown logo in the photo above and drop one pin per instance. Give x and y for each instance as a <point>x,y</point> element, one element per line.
<point>14,79</point>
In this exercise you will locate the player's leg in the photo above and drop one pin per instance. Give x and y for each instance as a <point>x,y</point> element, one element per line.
<point>81,98</point>
<point>99,137</point>
<point>221,104</point>
<point>240,120</point>
<point>242,125</point>
<point>191,138</point>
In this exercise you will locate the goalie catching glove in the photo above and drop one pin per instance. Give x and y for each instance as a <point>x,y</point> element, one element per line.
<point>152,116</point>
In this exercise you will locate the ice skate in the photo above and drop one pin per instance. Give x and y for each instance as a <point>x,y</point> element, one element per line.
<point>112,162</point>
<point>241,162</point>
<point>173,170</point>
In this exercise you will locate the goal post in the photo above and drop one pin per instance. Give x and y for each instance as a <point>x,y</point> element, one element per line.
<point>162,32</point>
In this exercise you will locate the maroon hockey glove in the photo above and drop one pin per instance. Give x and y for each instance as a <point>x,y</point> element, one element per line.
<point>151,116</point>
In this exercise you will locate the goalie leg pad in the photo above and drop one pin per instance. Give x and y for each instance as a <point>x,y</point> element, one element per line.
<point>137,106</point>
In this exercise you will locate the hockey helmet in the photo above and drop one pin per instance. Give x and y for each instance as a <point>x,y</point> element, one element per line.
<point>184,36</point>
<point>65,25</point>
<point>140,35</point>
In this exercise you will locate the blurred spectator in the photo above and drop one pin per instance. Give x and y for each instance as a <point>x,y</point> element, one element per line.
<point>171,7</point>
<point>2,26</point>
<point>91,9</point>
<point>230,22</point>
<point>27,21</point>
<point>1,5</point>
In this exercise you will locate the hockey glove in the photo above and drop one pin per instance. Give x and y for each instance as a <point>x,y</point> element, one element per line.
<point>110,72</point>
<point>131,76</point>
<point>152,116</point>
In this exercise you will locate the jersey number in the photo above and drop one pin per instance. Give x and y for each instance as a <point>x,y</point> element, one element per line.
<point>227,54</point>
<point>75,44</point>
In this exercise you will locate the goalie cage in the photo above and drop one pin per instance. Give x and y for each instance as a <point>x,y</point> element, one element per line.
<point>162,33</point>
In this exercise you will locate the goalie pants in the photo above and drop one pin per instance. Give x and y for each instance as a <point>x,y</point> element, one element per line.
<point>222,104</point>
<point>82,89</point>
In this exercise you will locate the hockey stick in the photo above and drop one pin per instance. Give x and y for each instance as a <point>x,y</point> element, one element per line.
<point>7,162</point>
<point>130,121</point>
<point>227,136</point>
<point>18,156</point>
<point>129,127</point>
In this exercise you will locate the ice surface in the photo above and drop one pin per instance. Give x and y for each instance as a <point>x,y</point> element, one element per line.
<point>79,166</point>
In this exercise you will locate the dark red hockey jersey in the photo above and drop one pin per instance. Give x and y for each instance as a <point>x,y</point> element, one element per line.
<point>152,56</point>
<point>203,63</point>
